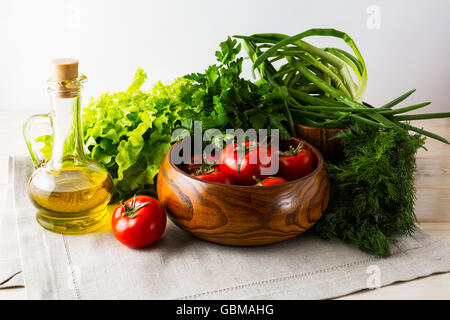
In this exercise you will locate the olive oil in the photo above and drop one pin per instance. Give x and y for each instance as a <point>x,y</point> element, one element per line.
<point>70,191</point>
<point>73,199</point>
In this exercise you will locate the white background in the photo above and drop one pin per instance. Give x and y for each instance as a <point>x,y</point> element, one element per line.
<point>411,48</point>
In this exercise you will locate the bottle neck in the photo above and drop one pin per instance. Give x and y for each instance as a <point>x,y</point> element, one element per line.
<point>68,144</point>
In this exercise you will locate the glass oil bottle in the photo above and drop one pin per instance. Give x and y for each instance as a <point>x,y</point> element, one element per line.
<point>70,191</point>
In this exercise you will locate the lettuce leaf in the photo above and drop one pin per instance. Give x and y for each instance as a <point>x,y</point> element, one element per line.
<point>130,132</point>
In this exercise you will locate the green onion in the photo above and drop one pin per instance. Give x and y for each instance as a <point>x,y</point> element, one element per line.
<point>320,89</point>
<point>398,100</point>
<point>423,116</point>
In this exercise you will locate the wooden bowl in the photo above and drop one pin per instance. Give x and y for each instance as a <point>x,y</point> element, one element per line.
<point>243,215</point>
<point>331,149</point>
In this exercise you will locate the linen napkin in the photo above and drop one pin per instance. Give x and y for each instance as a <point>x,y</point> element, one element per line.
<point>179,266</point>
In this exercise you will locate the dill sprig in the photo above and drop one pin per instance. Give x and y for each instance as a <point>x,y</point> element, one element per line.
<point>373,192</point>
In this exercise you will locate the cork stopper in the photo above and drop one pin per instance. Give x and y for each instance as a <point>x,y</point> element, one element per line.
<point>65,82</point>
<point>64,69</point>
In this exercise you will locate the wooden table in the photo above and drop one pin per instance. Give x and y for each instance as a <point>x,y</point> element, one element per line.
<point>432,206</point>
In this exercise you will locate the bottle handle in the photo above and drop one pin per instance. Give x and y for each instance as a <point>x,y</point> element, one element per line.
<point>37,155</point>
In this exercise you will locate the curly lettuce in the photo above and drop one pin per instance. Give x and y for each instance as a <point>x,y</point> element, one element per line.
<point>130,132</point>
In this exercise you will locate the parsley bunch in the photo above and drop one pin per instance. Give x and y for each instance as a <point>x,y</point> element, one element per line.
<point>222,99</point>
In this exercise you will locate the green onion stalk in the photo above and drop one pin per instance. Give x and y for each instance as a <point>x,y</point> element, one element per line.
<point>317,86</point>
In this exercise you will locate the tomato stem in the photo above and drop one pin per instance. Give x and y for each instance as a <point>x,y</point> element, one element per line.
<point>292,151</point>
<point>131,211</point>
<point>205,168</point>
<point>258,181</point>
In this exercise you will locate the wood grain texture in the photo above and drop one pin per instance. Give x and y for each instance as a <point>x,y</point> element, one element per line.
<point>331,149</point>
<point>243,215</point>
<point>433,174</point>
<point>321,138</point>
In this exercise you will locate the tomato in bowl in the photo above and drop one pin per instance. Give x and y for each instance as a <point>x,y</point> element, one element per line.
<point>244,215</point>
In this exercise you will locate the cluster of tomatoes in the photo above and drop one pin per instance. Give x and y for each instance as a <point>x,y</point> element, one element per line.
<point>140,221</point>
<point>235,165</point>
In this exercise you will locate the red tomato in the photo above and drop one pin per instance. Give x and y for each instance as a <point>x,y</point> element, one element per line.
<point>139,221</point>
<point>215,176</point>
<point>270,181</point>
<point>296,163</point>
<point>241,170</point>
